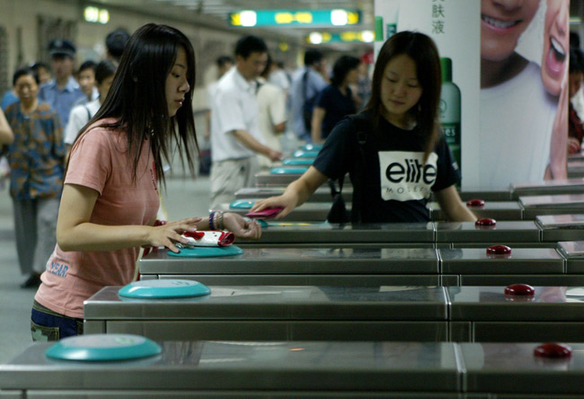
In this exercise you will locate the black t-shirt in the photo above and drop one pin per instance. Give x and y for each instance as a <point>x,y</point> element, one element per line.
<point>336,106</point>
<point>396,182</point>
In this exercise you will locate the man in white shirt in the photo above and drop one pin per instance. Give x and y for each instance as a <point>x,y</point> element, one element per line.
<point>235,134</point>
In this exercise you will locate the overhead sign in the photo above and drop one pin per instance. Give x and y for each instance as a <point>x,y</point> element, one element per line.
<point>366,36</point>
<point>249,18</point>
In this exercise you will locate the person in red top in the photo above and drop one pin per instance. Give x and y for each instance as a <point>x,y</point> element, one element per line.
<point>110,195</point>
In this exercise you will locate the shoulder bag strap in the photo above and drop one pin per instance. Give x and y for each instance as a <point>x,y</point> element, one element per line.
<point>362,127</point>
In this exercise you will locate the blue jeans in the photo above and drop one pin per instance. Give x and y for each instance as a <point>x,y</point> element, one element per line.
<point>46,325</point>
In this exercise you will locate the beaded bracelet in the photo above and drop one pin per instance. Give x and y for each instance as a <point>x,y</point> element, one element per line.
<point>211,217</point>
<point>220,221</point>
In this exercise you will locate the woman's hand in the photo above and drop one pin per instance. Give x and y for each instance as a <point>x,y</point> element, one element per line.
<point>573,146</point>
<point>241,227</point>
<point>284,201</point>
<point>167,235</point>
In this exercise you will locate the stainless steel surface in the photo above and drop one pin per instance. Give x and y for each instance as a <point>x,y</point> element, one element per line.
<point>507,232</point>
<point>499,210</point>
<point>338,280</point>
<point>280,313</point>
<point>467,194</point>
<point>359,267</point>
<point>307,212</point>
<point>279,303</point>
<point>548,187</point>
<point>486,314</point>
<point>552,204</point>
<point>561,227</point>
<point>520,261</point>
<point>322,194</point>
<point>289,261</point>
<point>320,233</point>
<point>228,367</point>
<point>267,179</point>
<point>500,368</point>
<point>573,251</point>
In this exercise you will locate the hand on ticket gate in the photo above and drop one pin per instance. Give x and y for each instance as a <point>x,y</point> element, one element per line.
<point>242,227</point>
<point>285,202</point>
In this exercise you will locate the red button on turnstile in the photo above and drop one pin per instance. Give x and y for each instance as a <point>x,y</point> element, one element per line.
<point>485,222</point>
<point>475,203</point>
<point>499,250</point>
<point>519,289</point>
<point>553,350</point>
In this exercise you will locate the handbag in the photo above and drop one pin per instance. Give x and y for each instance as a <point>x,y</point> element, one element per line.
<point>338,212</point>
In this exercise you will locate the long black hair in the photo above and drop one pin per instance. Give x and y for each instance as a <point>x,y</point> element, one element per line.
<point>137,97</point>
<point>422,49</point>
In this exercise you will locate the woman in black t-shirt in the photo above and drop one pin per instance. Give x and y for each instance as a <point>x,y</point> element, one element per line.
<point>402,158</point>
<point>336,100</point>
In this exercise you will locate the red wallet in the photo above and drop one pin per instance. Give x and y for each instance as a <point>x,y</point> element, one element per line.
<point>211,238</point>
<point>264,214</point>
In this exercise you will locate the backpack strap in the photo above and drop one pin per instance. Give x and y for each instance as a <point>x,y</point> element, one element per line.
<point>362,127</point>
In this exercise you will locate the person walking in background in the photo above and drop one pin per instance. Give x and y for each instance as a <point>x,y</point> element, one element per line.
<point>307,82</point>
<point>271,113</point>
<point>86,80</point>
<point>110,194</point>
<point>336,100</point>
<point>36,159</point>
<point>223,64</point>
<point>81,114</point>
<point>43,72</point>
<point>235,135</point>
<point>115,42</point>
<point>396,131</point>
<point>61,92</point>
<point>44,75</point>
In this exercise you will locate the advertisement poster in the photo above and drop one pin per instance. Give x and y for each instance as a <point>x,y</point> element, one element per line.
<point>508,72</point>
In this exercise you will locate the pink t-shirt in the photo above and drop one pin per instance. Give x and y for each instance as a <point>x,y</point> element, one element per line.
<point>99,160</point>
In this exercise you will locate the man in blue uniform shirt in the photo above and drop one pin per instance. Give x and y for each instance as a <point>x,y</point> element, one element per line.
<point>61,92</point>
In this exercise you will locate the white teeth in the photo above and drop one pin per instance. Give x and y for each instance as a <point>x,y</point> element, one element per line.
<point>558,48</point>
<point>498,23</point>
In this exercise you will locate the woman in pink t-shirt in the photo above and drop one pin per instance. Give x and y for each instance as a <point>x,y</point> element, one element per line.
<point>110,195</point>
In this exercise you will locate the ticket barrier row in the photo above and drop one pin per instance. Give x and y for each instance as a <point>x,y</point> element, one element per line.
<point>526,208</point>
<point>545,231</point>
<point>312,313</point>
<point>315,370</point>
<point>373,266</point>
<point>268,184</point>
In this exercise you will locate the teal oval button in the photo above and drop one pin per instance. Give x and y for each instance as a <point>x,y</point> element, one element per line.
<point>297,161</point>
<point>305,154</point>
<point>103,347</point>
<point>287,171</point>
<point>165,288</point>
<point>241,204</point>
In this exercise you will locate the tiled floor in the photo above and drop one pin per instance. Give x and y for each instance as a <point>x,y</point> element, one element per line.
<point>184,197</point>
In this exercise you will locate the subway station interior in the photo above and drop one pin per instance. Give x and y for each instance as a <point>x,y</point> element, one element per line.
<point>490,307</point>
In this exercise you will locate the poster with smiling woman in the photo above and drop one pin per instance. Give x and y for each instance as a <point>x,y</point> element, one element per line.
<point>523,100</point>
<point>511,69</point>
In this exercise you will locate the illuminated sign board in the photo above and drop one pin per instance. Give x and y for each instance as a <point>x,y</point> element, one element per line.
<point>366,36</point>
<point>249,18</point>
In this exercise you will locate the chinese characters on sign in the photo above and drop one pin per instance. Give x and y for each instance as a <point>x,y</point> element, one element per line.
<point>438,16</point>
